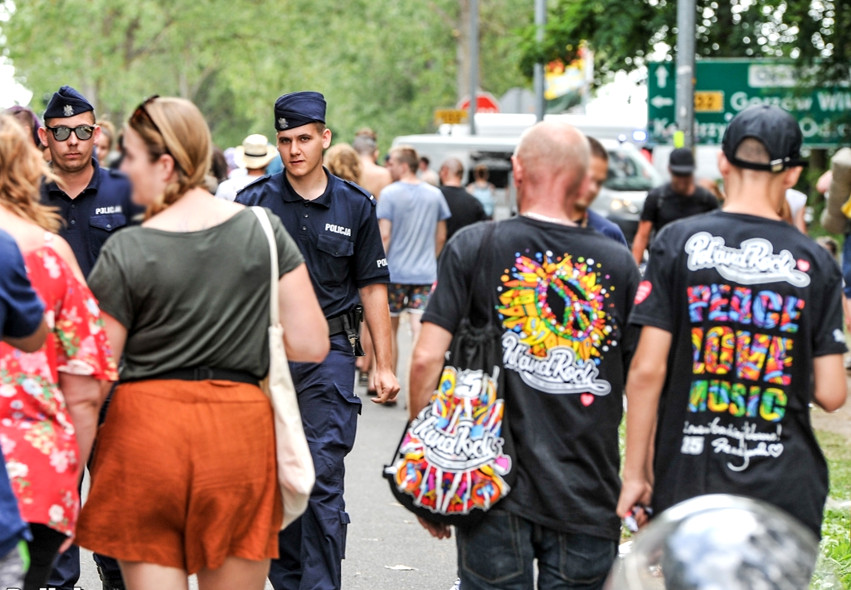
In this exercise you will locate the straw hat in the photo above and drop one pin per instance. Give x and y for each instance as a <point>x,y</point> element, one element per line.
<point>255,152</point>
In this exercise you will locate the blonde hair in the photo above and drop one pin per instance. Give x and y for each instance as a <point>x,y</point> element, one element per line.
<point>343,161</point>
<point>22,168</point>
<point>107,129</point>
<point>176,127</point>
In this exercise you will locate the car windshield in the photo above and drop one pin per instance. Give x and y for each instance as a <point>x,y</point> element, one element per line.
<point>630,171</point>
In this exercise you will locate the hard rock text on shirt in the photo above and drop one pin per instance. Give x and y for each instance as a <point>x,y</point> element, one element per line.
<point>558,372</point>
<point>753,262</point>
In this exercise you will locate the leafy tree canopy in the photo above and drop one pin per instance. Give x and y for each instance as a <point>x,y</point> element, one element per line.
<point>381,63</point>
<point>622,34</point>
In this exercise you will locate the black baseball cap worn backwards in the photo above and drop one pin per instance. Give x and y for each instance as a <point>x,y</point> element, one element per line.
<point>299,108</point>
<point>776,129</point>
<point>66,102</point>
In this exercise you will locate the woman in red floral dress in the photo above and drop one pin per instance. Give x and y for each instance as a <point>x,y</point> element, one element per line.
<point>49,399</point>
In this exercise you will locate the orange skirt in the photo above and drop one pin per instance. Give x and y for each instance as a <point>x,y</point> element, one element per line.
<point>183,476</point>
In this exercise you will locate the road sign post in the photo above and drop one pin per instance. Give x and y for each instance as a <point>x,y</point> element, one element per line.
<point>685,71</point>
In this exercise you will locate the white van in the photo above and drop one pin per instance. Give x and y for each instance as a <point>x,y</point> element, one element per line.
<point>472,150</point>
<point>621,199</point>
<point>630,176</point>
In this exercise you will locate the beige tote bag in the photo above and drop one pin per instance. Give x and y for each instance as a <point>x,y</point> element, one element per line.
<point>295,465</point>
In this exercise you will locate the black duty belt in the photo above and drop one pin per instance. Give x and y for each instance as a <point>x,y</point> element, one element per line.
<point>202,374</point>
<point>348,323</point>
<point>337,325</point>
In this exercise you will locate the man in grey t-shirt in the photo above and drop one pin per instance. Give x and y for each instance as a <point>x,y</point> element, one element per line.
<point>412,218</point>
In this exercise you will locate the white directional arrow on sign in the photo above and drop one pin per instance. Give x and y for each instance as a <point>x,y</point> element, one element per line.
<point>661,101</point>
<point>661,76</point>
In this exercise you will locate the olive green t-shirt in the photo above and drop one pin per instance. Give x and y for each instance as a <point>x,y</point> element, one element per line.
<point>191,299</point>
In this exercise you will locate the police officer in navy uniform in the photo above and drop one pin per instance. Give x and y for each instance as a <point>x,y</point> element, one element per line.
<point>94,202</point>
<point>334,224</point>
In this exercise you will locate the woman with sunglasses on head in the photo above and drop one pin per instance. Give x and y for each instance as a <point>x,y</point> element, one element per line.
<point>189,437</point>
<point>49,399</point>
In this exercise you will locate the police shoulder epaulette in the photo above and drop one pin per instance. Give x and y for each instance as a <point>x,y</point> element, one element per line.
<point>258,181</point>
<point>253,184</point>
<point>361,190</point>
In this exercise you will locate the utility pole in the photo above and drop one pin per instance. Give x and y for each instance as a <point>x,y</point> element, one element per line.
<point>474,63</point>
<point>540,22</point>
<point>686,12</point>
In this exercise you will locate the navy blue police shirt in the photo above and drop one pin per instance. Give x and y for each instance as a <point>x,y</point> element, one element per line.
<point>337,233</point>
<point>607,228</point>
<point>91,217</point>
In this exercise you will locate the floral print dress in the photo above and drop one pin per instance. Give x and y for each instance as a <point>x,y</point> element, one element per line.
<point>36,432</point>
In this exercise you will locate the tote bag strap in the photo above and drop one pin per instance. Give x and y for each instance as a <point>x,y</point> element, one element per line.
<point>263,218</point>
<point>486,248</point>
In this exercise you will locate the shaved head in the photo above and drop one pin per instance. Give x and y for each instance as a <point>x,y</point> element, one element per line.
<point>453,167</point>
<point>550,150</point>
<point>364,145</point>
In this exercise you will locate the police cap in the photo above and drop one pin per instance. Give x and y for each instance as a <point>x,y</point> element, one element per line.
<point>299,108</point>
<point>67,102</point>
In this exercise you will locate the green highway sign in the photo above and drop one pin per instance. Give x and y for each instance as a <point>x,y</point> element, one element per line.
<point>723,87</point>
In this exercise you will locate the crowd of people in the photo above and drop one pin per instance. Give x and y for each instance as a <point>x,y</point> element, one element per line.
<point>134,313</point>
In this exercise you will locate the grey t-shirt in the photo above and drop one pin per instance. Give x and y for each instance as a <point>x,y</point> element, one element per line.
<point>192,299</point>
<point>414,211</point>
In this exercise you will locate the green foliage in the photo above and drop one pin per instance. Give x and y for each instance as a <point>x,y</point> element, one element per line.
<point>381,63</point>
<point>835,544</point>
<point>618,32</point>
<point>622,33</point>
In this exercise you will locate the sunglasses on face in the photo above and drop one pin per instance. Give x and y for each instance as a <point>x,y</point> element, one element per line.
<point>63,132</point>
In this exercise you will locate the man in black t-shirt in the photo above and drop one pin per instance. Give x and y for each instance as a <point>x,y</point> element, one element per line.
<point>741,319</point>
<point>560,296</point>
<point>676,199</point>
<point>465,208</point>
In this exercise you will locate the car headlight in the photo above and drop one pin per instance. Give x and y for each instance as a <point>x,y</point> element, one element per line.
<point>623,206</point>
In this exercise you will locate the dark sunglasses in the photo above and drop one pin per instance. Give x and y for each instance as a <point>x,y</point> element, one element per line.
<point>63,132</point>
